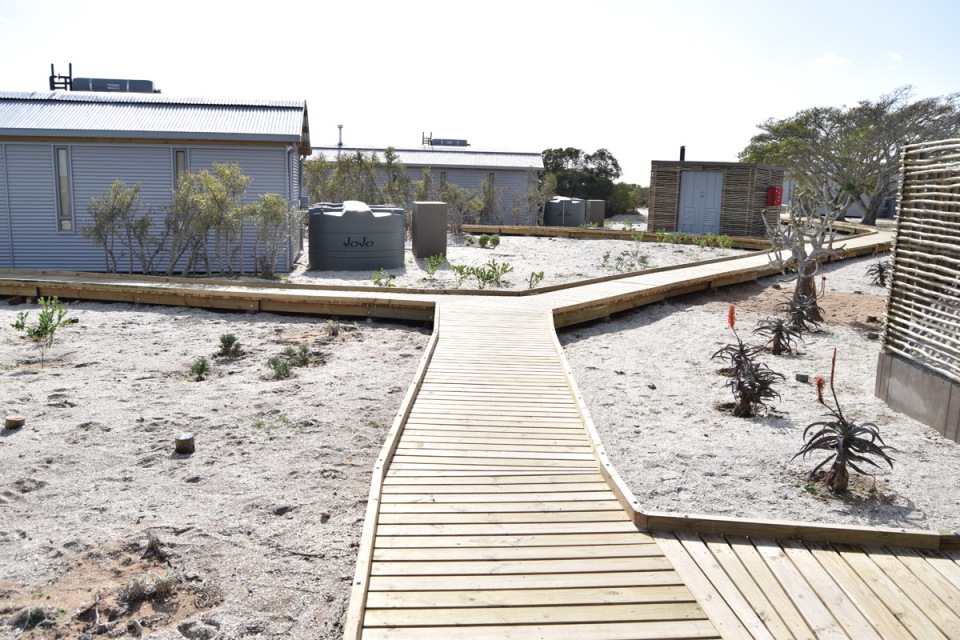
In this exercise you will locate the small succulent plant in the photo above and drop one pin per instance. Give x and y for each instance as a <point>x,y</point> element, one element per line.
<point>781,337</point>
<point>849,444</point>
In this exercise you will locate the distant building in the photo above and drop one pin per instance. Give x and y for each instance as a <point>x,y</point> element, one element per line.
<point>515,172</point>
<point>60,149</point>
<point>726,198</point>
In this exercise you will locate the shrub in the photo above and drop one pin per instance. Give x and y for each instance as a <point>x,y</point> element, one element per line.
<point>383,279</point>
<point>536,277</point>
<point>751,382</point>
<point>229,347</point>
<point>879,272</point>
<point>498,269</point>
<point>200,368</point>
<point>461,271</point>
<point>280,366</point>
<point>781,337</point>
<point>483,241</point>
<point>849,443</point>
<point>51,317</point>
<point>333,328</point>
<point>432,263</point>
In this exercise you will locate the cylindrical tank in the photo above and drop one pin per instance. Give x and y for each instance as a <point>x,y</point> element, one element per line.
<point>355,237</point>
<point>564,212</point>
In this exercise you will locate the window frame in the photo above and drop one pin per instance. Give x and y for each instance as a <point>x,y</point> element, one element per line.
<point>177,169</point>
<point>63,186</point>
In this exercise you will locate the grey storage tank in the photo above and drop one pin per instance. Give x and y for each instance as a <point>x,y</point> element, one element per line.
<point>352,236</point>
<point>564,212</point>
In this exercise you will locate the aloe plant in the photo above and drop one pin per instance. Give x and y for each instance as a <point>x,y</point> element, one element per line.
<point>849,444</point>
<point>879,272</point>
<point>751,382</point>
<point>781,337</point>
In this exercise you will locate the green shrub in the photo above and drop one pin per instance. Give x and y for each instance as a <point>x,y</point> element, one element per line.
<point>229,346</point>
<point>432,263</point>
<point>51,317</point>
<point>383,279</point>
<point>200,368</point>
<point>536,277</point>
<point>280,366</point>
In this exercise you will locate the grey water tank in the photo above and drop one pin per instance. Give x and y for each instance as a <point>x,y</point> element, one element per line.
<point>352,236</point>
<point>564,212</point>
<point>595,211</point>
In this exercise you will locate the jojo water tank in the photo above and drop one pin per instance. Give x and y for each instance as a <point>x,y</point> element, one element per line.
<point>564,212</point>
<point>352,236</point>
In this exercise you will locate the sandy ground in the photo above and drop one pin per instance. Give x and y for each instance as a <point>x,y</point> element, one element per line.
<point>559,260</point>
<point>259,527</point>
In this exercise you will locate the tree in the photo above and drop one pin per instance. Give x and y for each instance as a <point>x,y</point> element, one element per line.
<point>114,213</point>
<point>221,201</point>
<point>464,204</point>
<point>272,218</point>
<point>582,175</point>
<point>625,198</point>
<point>494,207</point>
<point>844,156</point>
<point>358,176</point>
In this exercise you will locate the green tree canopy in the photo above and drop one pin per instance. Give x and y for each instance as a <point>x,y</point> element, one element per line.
<point>846,155</point>
<point>582,175</point>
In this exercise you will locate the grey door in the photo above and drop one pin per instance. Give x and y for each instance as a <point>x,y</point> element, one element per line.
<point>700,193</point>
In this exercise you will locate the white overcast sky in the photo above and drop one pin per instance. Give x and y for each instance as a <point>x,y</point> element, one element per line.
<point>638,78</point>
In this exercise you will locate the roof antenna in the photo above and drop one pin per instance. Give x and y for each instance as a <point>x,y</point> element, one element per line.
<point>340,143</point>
<point>61,82</point>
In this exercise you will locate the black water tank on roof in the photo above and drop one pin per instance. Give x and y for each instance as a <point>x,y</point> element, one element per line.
<point>112,85</point>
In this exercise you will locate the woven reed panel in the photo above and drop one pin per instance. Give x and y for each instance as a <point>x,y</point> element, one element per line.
<point>923,307</point>
<point>743,201</point>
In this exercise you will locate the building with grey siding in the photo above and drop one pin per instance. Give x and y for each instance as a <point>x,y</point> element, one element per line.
<point>60,149</point>
<point>513,172</point>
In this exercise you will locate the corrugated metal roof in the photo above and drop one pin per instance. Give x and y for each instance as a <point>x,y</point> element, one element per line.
<point>146,115</point>
<point>456,157</point>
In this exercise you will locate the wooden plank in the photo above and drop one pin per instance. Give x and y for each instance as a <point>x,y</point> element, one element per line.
<point>801,593</point>
<point>503,507</point>
<point>518,615</point>
<point>925,599</point>
<point>946,591</point>
<point>434,517</point>
<point>567,487</point>
<point>430,479</point>
<point>745,583</point>
<point>498,497</point>
<point>697,550</point>
<point>495,463</point>
<point>648,549</point>
<point>520,567</point>
<point>843,608</point>
<point>747,554</point>
<point>883,620</point>
<point>591,631</point>
<point>532,597</point>
<point>505,529</point>
<point>500,540</point>
<point>895,600</point>
<point>725,621</point>
<point>533,581</point>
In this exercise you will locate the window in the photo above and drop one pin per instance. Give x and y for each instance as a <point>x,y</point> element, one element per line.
<point>490,178</point>
<point>179,164</point>
<point>443,178</point>
<point>64,204</point>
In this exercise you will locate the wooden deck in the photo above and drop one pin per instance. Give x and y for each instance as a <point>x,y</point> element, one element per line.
<point>495,520</point>
<point>495,513</point>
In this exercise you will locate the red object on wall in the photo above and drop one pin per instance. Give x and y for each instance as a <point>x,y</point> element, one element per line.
<point>774,196</point>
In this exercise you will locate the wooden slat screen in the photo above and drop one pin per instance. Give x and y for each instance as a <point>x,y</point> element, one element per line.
<point>923,308</point>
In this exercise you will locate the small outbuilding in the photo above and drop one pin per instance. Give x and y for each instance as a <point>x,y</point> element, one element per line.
<point>725,198</point>
<point>59,149</point>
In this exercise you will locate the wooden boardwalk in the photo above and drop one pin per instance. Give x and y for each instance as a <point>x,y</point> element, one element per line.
<point>495,513</point>
<point>494,518</point>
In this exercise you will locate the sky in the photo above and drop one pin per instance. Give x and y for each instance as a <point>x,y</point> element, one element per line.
<point>638,78</point>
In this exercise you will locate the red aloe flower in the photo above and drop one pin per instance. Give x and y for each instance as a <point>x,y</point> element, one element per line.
<point>732,316</point>
<point>819,381</point>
